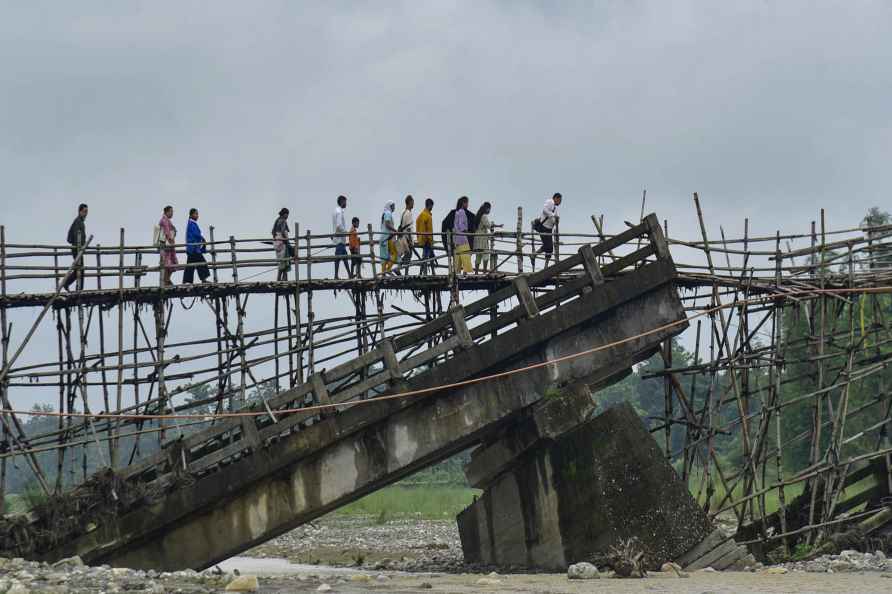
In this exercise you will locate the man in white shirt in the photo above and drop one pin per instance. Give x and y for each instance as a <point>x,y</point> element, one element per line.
<point>340,230</point>
<point>407,230</point>
<point>544,225</point>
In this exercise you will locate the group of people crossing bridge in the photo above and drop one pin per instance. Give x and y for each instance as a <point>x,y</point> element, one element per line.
<point>402,240</point>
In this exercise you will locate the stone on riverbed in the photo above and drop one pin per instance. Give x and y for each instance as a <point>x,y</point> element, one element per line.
<point>673,569</point>
<point>68,562</point>
<point>582,571</point>
<point>243,583</point>
<point>17,587</point>
<point>489,582</point>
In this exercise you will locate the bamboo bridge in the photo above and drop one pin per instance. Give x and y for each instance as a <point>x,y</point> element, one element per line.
<point>229,429</point>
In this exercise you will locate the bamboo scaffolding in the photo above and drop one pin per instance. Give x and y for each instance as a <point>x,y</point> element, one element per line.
<point>738,387</point>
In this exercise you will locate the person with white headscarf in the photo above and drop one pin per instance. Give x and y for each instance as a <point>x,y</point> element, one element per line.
<point>387,240</point>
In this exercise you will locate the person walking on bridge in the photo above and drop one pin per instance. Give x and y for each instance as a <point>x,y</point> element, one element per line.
<point>77,238</point>
<point>195,250</point>
<point>482,237</point>
<point>424,229</point>
<point>339,229</point>
<point>544,225</point>
<point>406,229</point>
<point>355,256</point>
<point>284,251</point>
<point>463,224</point>
<point>387,241</point>
<point>167,239</point>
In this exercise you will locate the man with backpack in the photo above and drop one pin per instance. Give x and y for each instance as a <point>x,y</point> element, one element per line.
<point>544,226</point>
<point>77,237</point>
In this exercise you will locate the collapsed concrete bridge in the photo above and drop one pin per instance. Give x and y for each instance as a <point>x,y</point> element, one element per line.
<point>248,479</point>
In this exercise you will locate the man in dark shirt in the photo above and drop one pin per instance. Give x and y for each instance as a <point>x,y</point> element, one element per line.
<point>77,237</point>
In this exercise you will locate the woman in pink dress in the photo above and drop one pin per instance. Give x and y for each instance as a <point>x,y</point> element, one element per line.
<point>168,240</point>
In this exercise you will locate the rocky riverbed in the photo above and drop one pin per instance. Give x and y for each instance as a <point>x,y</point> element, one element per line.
<point>406,544</point>
<point>355,554</point>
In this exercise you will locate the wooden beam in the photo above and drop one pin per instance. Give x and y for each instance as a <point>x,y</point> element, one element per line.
<point>525,297</point>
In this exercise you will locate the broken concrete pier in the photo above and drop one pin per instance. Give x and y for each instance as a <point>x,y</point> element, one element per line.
<point>572,496</point>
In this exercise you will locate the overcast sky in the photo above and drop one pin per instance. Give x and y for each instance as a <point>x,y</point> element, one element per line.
<point>771,110</point>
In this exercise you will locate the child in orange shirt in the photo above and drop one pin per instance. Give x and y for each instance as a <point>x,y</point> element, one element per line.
<point>353,241</point>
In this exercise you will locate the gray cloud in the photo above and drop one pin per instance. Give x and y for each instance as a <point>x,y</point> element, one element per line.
<point>762,106</point>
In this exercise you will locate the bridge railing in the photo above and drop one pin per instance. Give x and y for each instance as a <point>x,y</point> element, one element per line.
<point>36,268</point>
<point>394,360</point>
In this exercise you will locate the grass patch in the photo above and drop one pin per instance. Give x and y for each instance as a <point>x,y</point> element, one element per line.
<point>16,504</point>
<point>428,502</point>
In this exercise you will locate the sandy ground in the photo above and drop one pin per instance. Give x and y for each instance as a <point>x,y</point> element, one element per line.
<point>698,583</point>
<point>425,556</point>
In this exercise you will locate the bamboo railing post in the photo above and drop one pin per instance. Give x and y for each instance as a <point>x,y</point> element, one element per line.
<point>453,272</point>
<point>233,259</point>
<point>556,237</point>
<point>372,251</point>
<point>493,258</point>
<point>519,240</point>
<point>532,246</point>
<point>213,254</point>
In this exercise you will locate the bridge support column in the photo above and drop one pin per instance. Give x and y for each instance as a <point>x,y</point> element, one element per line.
<point>570,496</point>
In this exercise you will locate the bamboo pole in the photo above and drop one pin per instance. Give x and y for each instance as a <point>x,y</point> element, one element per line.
<point>120,375</point>
<point>519,240</point>
<point>717,302</point>
<point>297,335</point>
<point>816,439</point>
<point>311,316</point>
<point>102,373</point>
<point>4,346</point>
<point>372,251</point>
<point>160,337</point>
